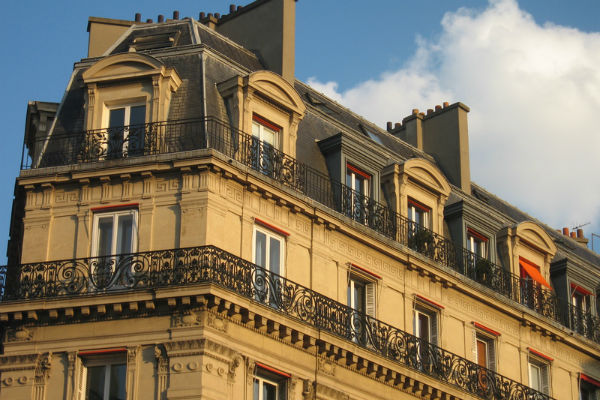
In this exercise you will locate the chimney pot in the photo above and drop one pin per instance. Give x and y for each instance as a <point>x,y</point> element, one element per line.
<point>580,233</point>
<point>398,125</point>
<point>138,17</point>
<point>161,18</point>
<point>149,20</point>
<point>438,107</point>
<point>422,114</point>
<point>209,15</point>
<point>231,8</point>
<point>415,111</point>
<point>573,235</point>
<point>429,111</point>
<point>175,14</point>
<point>566,231</point>
<point>202,15</point>
<point>389,126</point>
<point>446,104</point>
<point>217,15</point>
<point>239,7</point>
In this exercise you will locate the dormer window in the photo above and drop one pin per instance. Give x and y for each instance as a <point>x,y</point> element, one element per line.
<point>265,131</point>
<point>477,243</point>
<point>358,188</point>
<point>419,213</point>
<point>358,180</point>
<point>126,130</point>
<point>580,298</point>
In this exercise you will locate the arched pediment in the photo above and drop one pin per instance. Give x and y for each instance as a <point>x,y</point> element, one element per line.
<point>122,66</point>
<point>533,234</point>
<point>427,174</point>
<point>274,87</point>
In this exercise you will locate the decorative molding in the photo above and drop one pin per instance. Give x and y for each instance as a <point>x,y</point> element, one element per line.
<point>41,375</point>
<point>133,356</point>
<point>162,371</point>
<point>217,322</point>
<point>18,362</point>
<point>20,334</point>
<point>308,389</point>
<point>325,366</point>
<point>233,366</point>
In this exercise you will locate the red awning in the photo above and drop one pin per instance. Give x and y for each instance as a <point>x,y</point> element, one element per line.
<point>534,273</point>
<point>577,288</point>
<point>589,379</point>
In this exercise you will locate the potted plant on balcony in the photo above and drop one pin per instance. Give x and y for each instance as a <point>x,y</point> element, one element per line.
<point>421,240</point>
<point>483,270</point>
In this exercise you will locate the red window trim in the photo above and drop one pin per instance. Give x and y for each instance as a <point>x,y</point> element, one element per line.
<point>476,234</point>
<point>115,207</point>
<point>267,225</point>
<point>486,329</point>
<point>418,205</point>
<point>266,123</point>
<point>102,351</point>
<point>357,171</point>
<point>273,370</point>
<point>542,355</point>
<point>589,379</point>
<point>430,302</point>
<point>579,289</point>
<point>366,271</point>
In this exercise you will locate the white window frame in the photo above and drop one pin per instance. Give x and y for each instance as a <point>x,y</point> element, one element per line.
<point>483,243</point>
<point>263,129</point>
<point>433,317</point>
<point>490,345</point>
<point>127,105</point>
<point>537,365</point>
<point>115,214</point>
<point>269,234</point>
<point>263,376</point>
<point>412,211</point>
<point>100,361</point>
<point>370,289</point>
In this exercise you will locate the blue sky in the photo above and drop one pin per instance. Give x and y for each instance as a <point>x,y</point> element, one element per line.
<point>395,55</point>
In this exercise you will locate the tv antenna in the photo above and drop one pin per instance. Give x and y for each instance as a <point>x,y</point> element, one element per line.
<point>580,226</point>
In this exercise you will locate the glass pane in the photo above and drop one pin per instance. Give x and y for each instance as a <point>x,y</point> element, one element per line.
<point>359,184</point>
<point>94,388</point>
<point>116,117</point>
<point>118,377</point>
<point>137,115</point>
<point>269,391</point>
<point>255,129</point>
<point>275,256</point>
<point>105,233</point>
<point>349,176</point>
<point>359,296</point>
<point>261,249</point>
<point>124,234</point>
<point>256,390</point>
<point>534,377</point>
<point>269,136</point>
<point>423,326</point>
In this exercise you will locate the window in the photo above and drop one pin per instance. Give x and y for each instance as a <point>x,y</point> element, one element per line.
<point>265,142</point>
<point>114,235</point>
<point>533,295</point>
<point>105,377</point>
<point>485,355</point>
<point>419,213</point>
<point>589,388</point>
<point>268,254</point>
<point>539,375</point>
<point>580,308</point>
<point>426,330</point>
<point>269,383</point>
<point>358,188</point>
<point>477,243</point>
<point>126,129</point>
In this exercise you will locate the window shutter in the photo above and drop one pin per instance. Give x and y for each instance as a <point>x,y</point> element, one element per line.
<point>492,355</point>
<point>474,348</point>
<point>545,384</point>
<point>433,320</point>
<point>370,299</point>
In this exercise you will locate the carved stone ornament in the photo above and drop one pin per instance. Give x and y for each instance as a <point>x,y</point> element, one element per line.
<point>234,365</point>
<point>216,322</point>
<point>326,367</point>
<point>42,368</point>
<point>187,319</point>
<point>308,390</point>
<point>20,334</point>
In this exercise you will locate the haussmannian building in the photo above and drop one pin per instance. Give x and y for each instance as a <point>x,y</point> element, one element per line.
<point>192,222</point>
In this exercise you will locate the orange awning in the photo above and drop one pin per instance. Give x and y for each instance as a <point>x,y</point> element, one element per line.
<point>534,273</point>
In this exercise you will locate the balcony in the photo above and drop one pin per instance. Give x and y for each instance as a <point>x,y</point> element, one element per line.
<point>185,135</point>
<point>208,264</point>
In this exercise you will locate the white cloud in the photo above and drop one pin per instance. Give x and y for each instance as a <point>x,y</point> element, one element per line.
<point>534,93</point>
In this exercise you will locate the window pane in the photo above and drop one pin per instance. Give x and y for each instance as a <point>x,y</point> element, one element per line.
<point>256,389</point>
<point>124,234</point>
<point>423,326</point>
<point>105,233</point>
<point>274,256</point>
<point>94,388</point>
<point>534,377</point>
<point>255,129</point>
<point>116,118</point>
<point>261,249</point>
<point>269,391</point>
<point>138,115</point>
<point>482,353</point>
<point>118,377</point>
<point>359,296</point>
<point>269,136</point>
<point>349,178</point>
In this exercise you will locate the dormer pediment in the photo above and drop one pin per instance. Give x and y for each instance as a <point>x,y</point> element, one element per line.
<point>534,235</point>
<point>427,174</point>
<point>275,88</point>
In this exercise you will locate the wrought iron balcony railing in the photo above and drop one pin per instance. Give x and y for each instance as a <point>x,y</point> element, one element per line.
<point>185,135</point>
<point>208,264</point>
